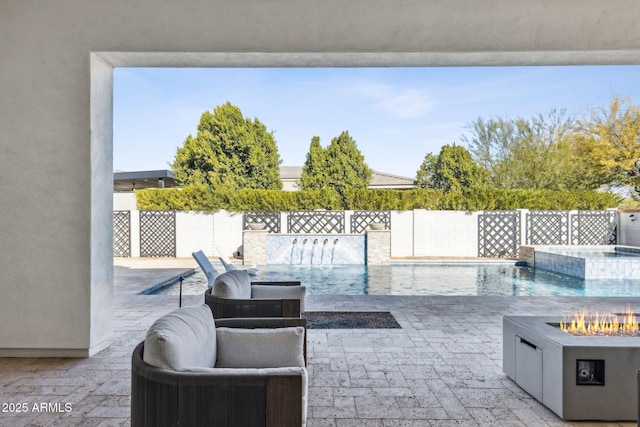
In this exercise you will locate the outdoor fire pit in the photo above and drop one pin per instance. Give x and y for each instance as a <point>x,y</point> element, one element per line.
<point>581,369</point>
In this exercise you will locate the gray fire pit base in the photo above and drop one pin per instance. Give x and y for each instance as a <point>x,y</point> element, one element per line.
<point>578,378</point>
<point>638,375</point>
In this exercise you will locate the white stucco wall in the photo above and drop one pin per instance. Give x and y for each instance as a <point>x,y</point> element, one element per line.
<point>445,233</point>
<point>419,233</point>
<point>124,202</point>
<point>227,232</point>
<point>402,234</point>
<point>194,232</point>
<point>56,110</point>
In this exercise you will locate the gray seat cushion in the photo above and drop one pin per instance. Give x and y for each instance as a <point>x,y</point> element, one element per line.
<point>184,338</point>
<point>233,284</point>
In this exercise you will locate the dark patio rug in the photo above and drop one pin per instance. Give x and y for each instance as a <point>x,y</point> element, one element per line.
<point>350,320</point>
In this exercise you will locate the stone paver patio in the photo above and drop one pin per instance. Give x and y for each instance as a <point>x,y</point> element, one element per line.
<point>443,368</point>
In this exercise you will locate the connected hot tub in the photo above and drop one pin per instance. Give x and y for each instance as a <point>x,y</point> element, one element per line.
<point>577,377</point>
<point>590,262</point>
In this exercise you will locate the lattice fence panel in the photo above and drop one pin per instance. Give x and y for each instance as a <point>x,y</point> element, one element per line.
<point>270,219</point>
<point>157,233</point>
<point>548,228</point>
<point>594,228</point>
<point>360,220</point>
<point>122,233</point>
<point>316,222</point>
<point>498,234</point>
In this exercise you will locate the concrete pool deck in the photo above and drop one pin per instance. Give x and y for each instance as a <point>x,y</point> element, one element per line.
<point>443,368</point>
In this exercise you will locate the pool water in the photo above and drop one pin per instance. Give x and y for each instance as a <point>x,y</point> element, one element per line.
<point>424,279</point>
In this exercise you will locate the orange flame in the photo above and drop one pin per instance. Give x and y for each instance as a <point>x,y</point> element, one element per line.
<point>601,324</point>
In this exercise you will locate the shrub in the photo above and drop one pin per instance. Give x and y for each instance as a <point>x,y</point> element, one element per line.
<point>199,198</point>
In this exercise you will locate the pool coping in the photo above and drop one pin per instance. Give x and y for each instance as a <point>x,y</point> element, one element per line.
<point>168,282</point>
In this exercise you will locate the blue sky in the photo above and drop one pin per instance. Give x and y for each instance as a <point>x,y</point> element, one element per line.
<point>396,115</point>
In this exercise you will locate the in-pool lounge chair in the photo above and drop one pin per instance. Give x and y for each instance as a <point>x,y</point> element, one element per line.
<point>207,268</point>
<point>193,371</point>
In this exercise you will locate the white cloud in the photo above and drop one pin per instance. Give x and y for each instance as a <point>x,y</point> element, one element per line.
<point>407,103</point>
<point>400,102</point>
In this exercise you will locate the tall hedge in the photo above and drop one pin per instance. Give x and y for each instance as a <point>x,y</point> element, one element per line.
<point>199,198</point>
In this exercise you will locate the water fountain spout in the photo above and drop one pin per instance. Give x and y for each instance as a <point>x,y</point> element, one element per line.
<point>304,243</point>
<point>313,250</point>
<point>293,249</point>
<point>324,245</point>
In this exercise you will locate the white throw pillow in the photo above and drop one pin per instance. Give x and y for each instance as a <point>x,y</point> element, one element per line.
<point>186,337</point>
<point>260,348</point>
<point>233,284</point>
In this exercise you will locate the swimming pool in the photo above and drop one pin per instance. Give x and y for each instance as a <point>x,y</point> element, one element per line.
<point>428,279</point>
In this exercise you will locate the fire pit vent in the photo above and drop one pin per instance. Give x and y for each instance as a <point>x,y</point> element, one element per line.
<point>590,372</point>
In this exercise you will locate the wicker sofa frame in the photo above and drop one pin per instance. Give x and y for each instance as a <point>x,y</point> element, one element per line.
<point>163,398</point>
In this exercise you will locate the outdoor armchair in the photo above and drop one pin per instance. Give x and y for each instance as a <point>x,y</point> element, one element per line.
<point>234,295</point>
<point>194,371</point>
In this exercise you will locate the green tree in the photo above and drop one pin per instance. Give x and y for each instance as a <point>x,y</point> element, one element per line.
<point>314,172</point>
<point>610,140</point>
<point>229,152</point>
<point>533,153</point>
<point>345,165</point>
<point>425,176</point>
<point>451,170</point>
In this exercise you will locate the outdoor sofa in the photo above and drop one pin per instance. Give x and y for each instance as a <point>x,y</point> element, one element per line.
<point>233,294</point>
<point>192,370</point>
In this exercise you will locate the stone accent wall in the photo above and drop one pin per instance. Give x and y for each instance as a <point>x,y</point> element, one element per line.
<point>254,246</point>
<point>526,254</point>
<point>378,247</point>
